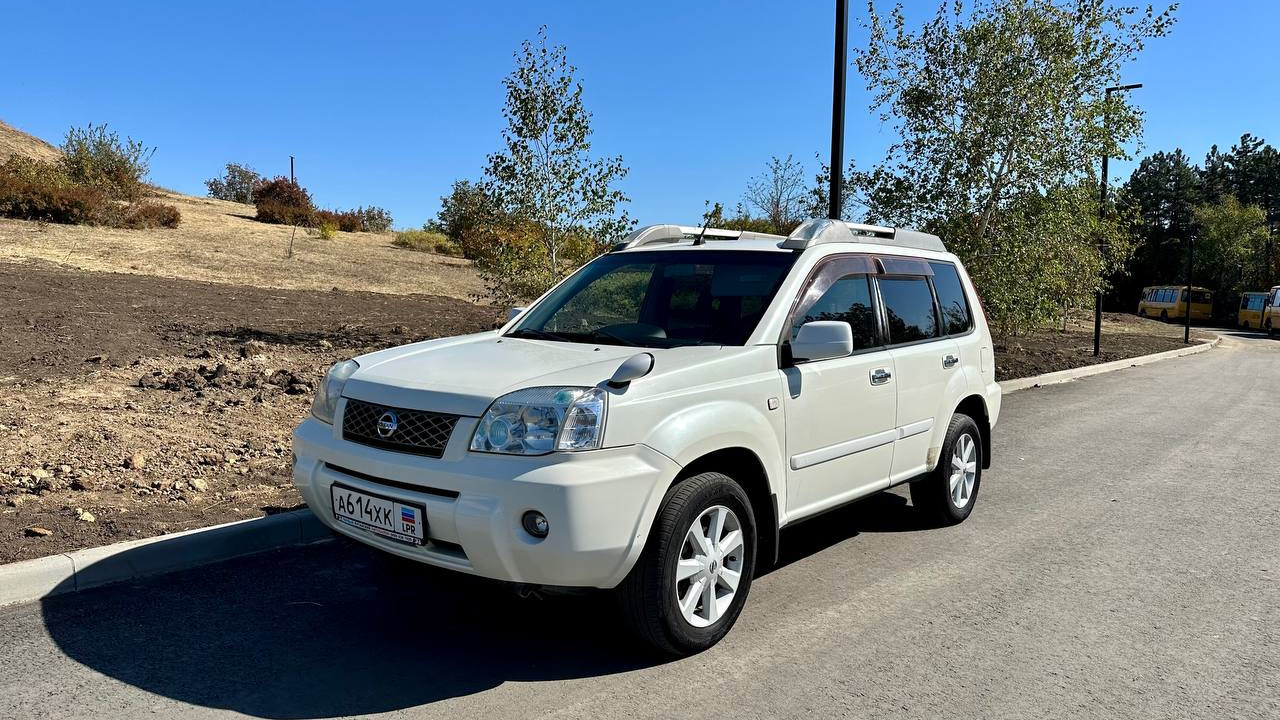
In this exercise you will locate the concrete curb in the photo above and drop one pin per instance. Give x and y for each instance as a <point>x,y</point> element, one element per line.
<point>69,572</point>
<point>1062,376</point>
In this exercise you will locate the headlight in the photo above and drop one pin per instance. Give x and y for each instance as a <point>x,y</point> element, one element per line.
<point>325,403</point>
<point>537,421</point>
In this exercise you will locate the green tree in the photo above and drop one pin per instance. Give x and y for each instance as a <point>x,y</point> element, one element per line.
<point>998,108</point>
<point>1161,194</point>
<point>465,214</point>
<point>96,156</point>
<point>236,184</point>
<point>851,206</point>
<point>558,205</point>
<point>1230,249</point>
<point>778,194</point>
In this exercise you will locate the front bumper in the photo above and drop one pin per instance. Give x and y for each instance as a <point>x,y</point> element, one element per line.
<point>599,504</point>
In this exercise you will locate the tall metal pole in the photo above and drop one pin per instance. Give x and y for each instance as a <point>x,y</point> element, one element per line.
<point>1097,296</point>
<point>1102,215</point>
<point>1186,325</point>
<point>837,108</point>
<point>291,180</point>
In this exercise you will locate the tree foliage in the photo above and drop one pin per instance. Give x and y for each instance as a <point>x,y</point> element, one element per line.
<point>465,216</point>
<point>96,156</point>
<point>235,184</point>
<point>1000,116</point>
<point>557,205</point>
<point>1175,202</point>
<point>1230,248</point>
<point>779,194</point>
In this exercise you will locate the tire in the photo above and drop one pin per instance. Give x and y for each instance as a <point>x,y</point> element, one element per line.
<point>935,496</point>
<point>648,595</point>
<point>1142,313</point>
<point>1164,316</point>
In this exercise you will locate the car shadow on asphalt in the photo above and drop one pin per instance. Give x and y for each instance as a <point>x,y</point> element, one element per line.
<point>884,512</point>
<point>333,629</point>
<point>338,629</point>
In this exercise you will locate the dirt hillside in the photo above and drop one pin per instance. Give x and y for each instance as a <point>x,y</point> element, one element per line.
<point>14,141</point>
<point>219,241</point>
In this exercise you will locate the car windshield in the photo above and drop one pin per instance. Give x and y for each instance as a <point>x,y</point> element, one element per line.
<point>661,298</point>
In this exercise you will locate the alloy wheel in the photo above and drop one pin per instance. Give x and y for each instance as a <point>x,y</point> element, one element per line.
<point>710,566</point>
<point>964,470</point>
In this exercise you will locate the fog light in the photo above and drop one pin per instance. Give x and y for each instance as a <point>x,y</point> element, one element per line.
<point>535,523</point>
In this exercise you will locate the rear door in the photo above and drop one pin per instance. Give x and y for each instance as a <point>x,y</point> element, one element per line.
<point>840,412</point>
<point>926,362</point>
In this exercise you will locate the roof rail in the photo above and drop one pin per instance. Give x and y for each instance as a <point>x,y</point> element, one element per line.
<point>819,231</point>
<point>672,234</point>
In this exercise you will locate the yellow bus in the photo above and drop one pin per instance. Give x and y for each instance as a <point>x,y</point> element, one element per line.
<point>1251,306</point>
<point>1271,311</point>
<point>1169,302</point>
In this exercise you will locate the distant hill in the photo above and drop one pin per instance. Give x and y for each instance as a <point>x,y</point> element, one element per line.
<point>14,141</point>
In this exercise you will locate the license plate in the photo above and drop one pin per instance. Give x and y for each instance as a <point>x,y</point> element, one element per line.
<point>400,521</point>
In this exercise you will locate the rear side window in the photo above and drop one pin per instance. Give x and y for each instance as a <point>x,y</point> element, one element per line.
<point>956,318</point>
<point>848,300</point>
<point>908,307</point>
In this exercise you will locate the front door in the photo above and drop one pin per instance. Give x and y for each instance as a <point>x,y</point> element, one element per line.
<point>840,412</point>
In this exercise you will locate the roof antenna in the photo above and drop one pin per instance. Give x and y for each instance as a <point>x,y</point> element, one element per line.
<point>706,220</point>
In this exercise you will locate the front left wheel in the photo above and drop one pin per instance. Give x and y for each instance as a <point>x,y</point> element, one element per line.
<point>690,583</point>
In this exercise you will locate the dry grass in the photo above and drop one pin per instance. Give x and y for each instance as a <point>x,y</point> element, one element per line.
<point>14,141</point>
<point>218,241</point>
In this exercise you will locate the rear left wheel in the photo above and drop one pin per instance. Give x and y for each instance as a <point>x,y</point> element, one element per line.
<point>947,495</point>
<point>690,583</point>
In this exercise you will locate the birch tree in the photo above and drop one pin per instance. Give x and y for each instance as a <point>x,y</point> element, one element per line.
<point>558,203</point>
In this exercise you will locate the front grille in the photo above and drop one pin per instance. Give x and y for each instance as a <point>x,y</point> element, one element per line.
<point>417,432</point>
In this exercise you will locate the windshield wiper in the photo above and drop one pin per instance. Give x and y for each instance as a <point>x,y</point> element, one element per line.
<point>536,334</point>
<point>604,335</point>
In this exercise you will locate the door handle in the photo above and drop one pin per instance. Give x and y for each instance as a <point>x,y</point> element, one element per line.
<point>880,376</point>
<point>949,361</point>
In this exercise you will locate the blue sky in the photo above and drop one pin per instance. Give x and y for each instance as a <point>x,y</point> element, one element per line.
<point>386,103</point>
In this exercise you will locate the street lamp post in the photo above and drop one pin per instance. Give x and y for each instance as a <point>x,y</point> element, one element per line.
<point>1102,215</point>
<point>1191,259</point>
<point>837,108</point>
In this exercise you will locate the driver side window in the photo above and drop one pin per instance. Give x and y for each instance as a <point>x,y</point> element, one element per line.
<point>848,300</point>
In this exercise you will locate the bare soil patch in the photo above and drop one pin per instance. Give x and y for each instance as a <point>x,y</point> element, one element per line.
<point>133,405</point>
<point>1123,336</point>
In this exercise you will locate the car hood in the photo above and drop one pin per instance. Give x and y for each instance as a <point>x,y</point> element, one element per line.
<point>463,375</point>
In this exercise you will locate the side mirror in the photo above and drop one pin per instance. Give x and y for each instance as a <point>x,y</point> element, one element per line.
<point>821,340</point>
<point>513,312</point>
<point>633,368</point>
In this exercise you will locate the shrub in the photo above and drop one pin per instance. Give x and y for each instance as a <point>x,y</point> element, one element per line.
<point>32,190</point>
<point>328,230</point>
<point>282,201</point>
<point>427,241</point>
<point>374,219</point>
<point>344,220</point>
<point>235,185</point>
<point>97,157</point>
<point>146,214</point>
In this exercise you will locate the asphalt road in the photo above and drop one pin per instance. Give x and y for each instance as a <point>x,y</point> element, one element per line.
<point>1121,562</point>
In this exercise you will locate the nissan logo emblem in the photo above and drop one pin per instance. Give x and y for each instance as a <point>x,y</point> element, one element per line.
<point>387,424</point>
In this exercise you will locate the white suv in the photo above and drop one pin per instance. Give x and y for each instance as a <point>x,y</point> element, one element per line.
<point>652,422</point>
